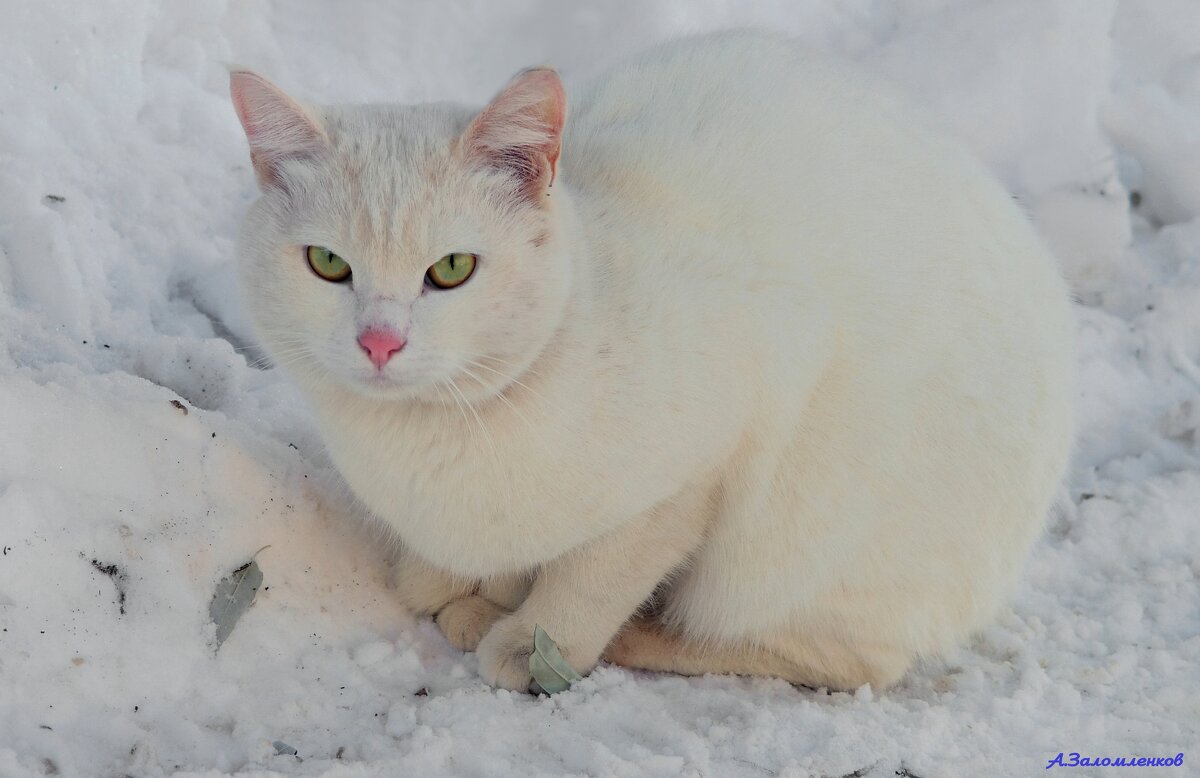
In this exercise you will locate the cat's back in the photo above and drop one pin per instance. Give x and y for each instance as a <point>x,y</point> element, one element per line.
<point>743,151</point>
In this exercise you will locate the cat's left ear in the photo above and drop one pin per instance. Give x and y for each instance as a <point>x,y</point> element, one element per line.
<point>277,127</point>
<point>520,131</point>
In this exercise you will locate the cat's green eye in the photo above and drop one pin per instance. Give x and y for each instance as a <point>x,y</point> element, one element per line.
<point>451,270</point>
<point>326,264</point>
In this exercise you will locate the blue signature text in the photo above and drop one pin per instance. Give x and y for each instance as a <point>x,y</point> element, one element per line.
<point>1073,759</point>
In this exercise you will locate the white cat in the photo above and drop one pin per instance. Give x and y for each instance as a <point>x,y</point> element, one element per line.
<point>758,356</point>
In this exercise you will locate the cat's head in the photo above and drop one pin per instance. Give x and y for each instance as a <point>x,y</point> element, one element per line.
<point>406,252</point>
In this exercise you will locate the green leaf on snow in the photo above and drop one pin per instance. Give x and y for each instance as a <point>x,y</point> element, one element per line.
<point>547,666</point>
<point>233,596</point>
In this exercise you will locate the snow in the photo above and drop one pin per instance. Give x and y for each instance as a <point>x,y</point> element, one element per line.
<point>123,175</point>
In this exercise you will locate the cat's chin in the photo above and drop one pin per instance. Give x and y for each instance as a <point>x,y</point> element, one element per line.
<point>392,389</point>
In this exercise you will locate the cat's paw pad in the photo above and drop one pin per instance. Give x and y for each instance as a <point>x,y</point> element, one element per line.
<point>465,621</point>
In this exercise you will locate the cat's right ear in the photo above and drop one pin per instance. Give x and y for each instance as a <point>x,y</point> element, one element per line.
<point>277,127</point>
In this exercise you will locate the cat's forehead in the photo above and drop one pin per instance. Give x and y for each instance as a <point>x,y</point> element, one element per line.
<point>375,135</point>
<point>392,169</point>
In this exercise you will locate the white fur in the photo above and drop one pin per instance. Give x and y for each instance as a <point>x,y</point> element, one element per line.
<point>768,340</point>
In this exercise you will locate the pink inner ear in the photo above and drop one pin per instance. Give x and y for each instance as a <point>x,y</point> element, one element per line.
<point>276,126</point>
<point>520,131</point>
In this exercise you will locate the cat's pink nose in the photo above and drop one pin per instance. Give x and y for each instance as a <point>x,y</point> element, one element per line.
<point>380,345</point>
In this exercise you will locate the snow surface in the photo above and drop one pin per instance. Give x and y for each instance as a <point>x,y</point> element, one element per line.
<point>123,175</point>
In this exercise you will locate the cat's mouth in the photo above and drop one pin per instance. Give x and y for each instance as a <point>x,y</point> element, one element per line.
<point>381,382</point>
<point>432,378</point>
<point>408,382</point>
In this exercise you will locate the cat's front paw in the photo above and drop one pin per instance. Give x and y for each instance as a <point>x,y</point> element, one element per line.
<point>465,621</point>
<point>504,653</point>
